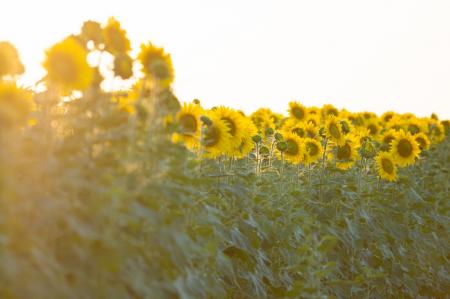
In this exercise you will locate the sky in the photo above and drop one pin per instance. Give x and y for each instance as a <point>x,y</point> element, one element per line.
<point>363,55</point>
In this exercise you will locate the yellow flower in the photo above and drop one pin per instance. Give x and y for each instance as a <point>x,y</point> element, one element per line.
<point>115,38</point>
<point>263,119</point>
<point>92,31</point>
<point>404,149</point>
<point>437,131</point>
<point>67,67</point>
<point>297,111</point>
<point>346,154</point>
<point>247,144</point>
<point>329,110</point>
<point>388,136</point>
<point>215,137</point>
<point>311,130</point>
<point>386,166</point>
<point>9,60</point>
<point>156,64</point>
<point>414,126</point>
<point>188,119</point>
<point>236,126</point>
<point>123,66</point>
<point>333,130</point>
<point>422,141</point>
<point>295,151</point>
<point>313,150</point>
<point>374,127</point>
<point>15,105</point>
<point>387,116</point>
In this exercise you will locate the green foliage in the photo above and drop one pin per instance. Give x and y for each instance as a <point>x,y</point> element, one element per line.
<point>98,203</point>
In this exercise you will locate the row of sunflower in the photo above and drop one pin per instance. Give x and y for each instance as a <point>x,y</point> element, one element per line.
<point>310,135</point>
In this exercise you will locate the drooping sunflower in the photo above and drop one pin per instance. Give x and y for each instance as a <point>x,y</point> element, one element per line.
<point>404,149</point>
<point>10,63</point>
<point>422,141</point>
<point>295,152</point>
<point>297,111</point>
<point>313,150</point>
<point>333,130</point>
<point>188,119</point>
<point>386,167</point>
<point>345,155</point>
<point>115,38</point>
<point>15,105</point>
<point>156,64</point>
<point>216,138</point>
<point>236,126</point>
<point>67,66</point>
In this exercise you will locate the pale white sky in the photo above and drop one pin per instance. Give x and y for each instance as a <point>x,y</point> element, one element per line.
<point>363,55</point>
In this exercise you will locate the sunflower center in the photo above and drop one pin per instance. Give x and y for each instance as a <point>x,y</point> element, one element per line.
<point>292,147</point>
<point>188,124</point>
<point>299,132</point>
<point>334,131</point>
<point>230,124</point>
<point>387,165</point>
<point>211,137</point>
<point>312,148</point>
<point>373,129</point>
<point>404,148</point>
<point>298,112</point>
<point>63,67</point>
<point>344,152</point>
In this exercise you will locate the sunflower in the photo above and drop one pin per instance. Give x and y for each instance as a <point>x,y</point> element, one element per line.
<point>329,110</point>
<point>263,119</point>
<point>346,154</point>
<point>9,60</point>
<point>312,130</point>
<point>236,126</point>
<point>123,66</point>
<point>92,31</point>
<point>115,38</point>
<point>156,64</point>
<point>15,104</point>
<point>215,137</point>
<point>372,124</point>
<point>346,126</point>
<point>247,144</point>
<point>387,116</point>
<point>297,111</point>
<point>313,118</point>
<point>333,129</point>
<point>188,119</point>
<point>386,166</point>
<point>67,66</point>
<point>387,137</point>
<point>422,141</point>
<point>437,132</point>
<point>295,150</point>
<point>313,150</point>
<point>414,126</point>
<point>404,149</point>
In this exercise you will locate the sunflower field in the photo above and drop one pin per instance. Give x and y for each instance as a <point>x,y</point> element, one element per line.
<point>127,193</point>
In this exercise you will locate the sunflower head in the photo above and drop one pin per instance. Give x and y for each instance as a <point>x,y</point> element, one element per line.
<point>329,110</point>
<point>346,154</point>
<point>92,31</point>
<point>297,111</point>
<point>387,116</point>
<point>123,66</point>
<point>373,126</point>
<point>10,63</point>
<point>189,125</point>
<point>313,150</point>
<point>215,137</point>
<point>294,151</point>
<point>437,131</point>
<point>404,149</point>
<point>422,141</point>
<point>115,38</point>
<point>67,66</point>
<point>388,136</point>
<point>387,169</point>
<point>156,64</point>
<point>333,130</point>
<point>237,128</point>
